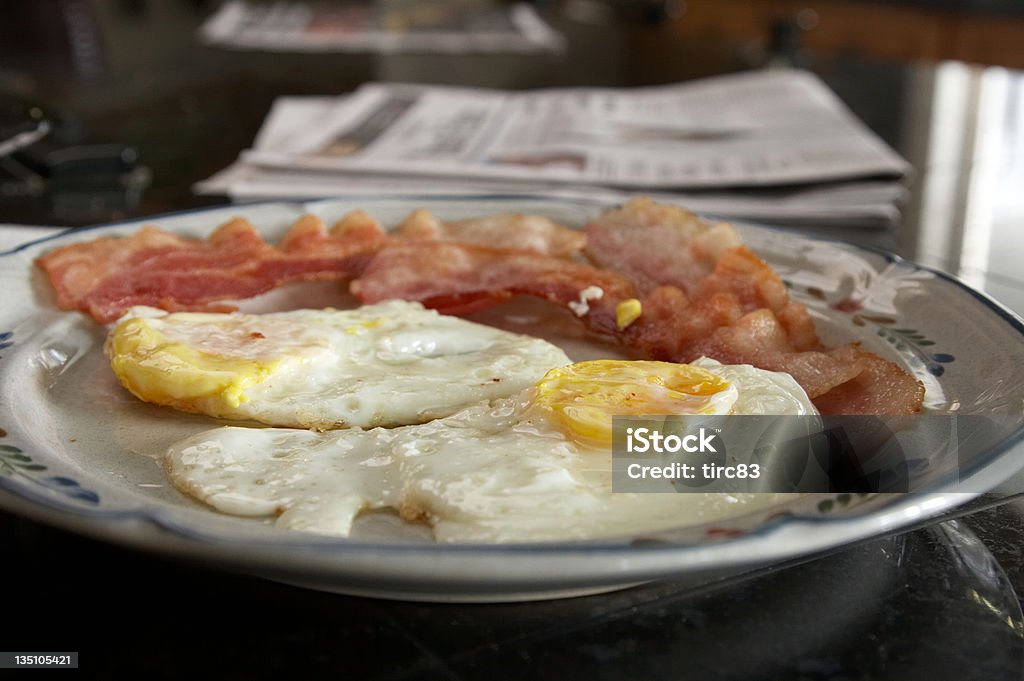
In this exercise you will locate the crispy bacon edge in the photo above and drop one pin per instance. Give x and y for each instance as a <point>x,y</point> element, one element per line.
<point>106,276</point>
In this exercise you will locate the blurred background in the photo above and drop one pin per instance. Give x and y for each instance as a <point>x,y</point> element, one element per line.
<point>137,100</point>
<point>138,73</point>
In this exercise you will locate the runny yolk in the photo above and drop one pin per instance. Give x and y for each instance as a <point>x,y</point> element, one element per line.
<point>581,398</point>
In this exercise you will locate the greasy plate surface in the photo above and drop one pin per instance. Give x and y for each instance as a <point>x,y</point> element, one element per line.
<point>79,451</point>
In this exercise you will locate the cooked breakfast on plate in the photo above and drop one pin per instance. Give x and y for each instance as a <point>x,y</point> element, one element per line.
<point>534,466</point>
<point>482,434</point>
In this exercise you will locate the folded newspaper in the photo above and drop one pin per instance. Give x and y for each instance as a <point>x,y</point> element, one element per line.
<point>436,26</point>
<point>773,145</point>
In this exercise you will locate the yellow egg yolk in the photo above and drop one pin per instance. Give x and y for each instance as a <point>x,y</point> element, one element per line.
<point>582,398</point>
<point>159,369</point>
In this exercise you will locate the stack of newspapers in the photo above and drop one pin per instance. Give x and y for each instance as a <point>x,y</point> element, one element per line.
<point>773,145</point>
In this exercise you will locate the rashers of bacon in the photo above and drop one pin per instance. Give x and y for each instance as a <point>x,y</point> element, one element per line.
<point>106,276</point>
<point>698,289</point>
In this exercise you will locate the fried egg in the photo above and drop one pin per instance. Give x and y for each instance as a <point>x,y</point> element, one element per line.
<point>534,466</point>
<point>390,364</point>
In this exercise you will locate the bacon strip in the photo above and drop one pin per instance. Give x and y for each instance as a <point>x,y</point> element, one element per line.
<point>758,338</point>
<point>106,276</point>
<point>672,328</point>
<point>511,231</point>
<point>881,388</point>
<point>455,277</point>
<point>655,244</point>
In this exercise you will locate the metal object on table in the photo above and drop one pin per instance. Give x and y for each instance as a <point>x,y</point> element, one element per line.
<point>51,160</point>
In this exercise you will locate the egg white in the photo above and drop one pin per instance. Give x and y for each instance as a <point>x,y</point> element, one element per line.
<point>499,471</point>
<point>763,392</point>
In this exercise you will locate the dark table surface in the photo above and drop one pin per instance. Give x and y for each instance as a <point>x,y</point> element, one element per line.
<point>942,601</point>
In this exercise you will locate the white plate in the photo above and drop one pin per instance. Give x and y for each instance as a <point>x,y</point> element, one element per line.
<point>78,451</point>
